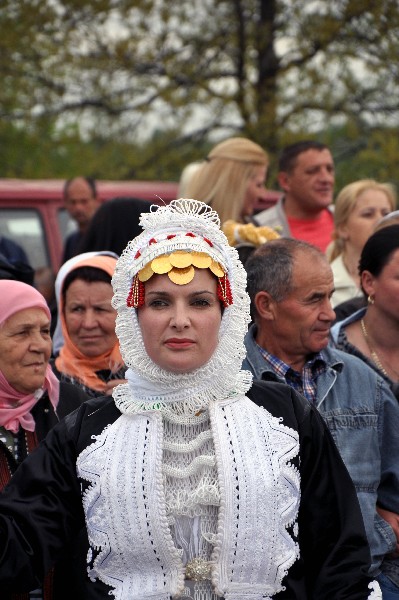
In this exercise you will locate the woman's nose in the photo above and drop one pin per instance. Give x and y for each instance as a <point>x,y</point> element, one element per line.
<point>180,319</point>
<point>89,319</point>
<point>38,343</point>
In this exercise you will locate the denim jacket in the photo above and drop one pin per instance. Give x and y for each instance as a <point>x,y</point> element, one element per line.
<point>363,417</point>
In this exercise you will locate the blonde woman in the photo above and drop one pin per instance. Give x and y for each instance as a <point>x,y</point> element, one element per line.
<point>231,180</point>
<point>358,208</point>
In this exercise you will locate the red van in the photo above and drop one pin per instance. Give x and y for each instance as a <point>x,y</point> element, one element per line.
<point>33,215</point>
<point>32,212</point>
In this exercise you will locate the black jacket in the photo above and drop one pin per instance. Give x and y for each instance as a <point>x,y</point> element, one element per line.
<point>334,555</point>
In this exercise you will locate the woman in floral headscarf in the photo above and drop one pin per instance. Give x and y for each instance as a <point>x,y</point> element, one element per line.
<point>192,481</point>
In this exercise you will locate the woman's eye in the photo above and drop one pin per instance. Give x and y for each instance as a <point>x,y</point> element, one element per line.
<point>201,302</point>
<point>22,333</point>
<point>158,303</point>
<point>75,309</point>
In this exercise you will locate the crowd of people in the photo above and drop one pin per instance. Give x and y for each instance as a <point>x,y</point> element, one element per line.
<point>182,413</point>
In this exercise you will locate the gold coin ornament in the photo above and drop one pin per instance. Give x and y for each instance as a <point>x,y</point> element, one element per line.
<point>182,276</point>
<point>180,267</point>
<point>216,269</point>
<point>181,259</point>
<point>201,260</point>
<point>161,264</point>
<point>146,273</point>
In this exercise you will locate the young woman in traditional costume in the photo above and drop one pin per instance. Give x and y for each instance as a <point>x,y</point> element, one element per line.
<point>192,482</point>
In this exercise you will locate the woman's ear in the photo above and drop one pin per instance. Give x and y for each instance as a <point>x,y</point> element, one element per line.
<point>368,283</point>
<point>264,304</point>
<point>343,233</point>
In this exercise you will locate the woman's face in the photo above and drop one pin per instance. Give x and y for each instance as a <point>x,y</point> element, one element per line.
<point>25,349</point>
<point>371,205</point>
<point>385,288</point>
<point>255,191</point>
<point>89,316</point>
<point>180,323</point>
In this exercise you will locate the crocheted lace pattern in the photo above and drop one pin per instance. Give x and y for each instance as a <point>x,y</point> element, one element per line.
<point>129,507</point>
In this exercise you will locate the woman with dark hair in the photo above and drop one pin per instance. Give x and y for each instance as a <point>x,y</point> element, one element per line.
<point>90,356</point>
<point>372,332</point>
<point>114,224</point>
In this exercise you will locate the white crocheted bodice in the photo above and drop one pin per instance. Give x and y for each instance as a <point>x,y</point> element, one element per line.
<point>142,544</point>
<point>191,491</point>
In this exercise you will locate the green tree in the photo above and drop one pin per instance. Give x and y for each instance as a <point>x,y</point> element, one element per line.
<point>273,70</point>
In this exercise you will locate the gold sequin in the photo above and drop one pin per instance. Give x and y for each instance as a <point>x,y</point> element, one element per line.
<point>161,264</point>
<point>180,259</point>
<point>182,276</point>
<point>216,269</point>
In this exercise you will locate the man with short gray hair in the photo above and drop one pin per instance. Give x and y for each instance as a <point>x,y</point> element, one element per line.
<point>290,283</point>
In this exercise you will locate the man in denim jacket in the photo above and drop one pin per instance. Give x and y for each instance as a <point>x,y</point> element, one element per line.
<point>290,284</point>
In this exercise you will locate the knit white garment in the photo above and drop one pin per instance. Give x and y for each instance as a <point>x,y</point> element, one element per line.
<point>191,490</point>
<point>126,514</point>
<point>221,376</point>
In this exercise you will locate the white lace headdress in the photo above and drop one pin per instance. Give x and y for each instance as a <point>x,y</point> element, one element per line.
<point>192,226</point>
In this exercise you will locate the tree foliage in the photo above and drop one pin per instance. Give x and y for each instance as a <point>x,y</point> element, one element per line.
<point>173,76</point>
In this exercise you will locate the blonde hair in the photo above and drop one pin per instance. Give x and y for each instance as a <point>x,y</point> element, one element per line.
<point>345,204</point>
<point>185,177</point>
<point>221,180</point>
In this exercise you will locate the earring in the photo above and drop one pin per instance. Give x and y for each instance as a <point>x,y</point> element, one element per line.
<point>370,300</point>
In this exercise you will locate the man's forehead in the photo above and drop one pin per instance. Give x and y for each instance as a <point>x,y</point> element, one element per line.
<point>314,157</point>
<point>310,266</point>
<point>79,188</point>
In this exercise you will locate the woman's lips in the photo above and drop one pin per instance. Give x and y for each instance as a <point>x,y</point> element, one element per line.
<point>179,343</point>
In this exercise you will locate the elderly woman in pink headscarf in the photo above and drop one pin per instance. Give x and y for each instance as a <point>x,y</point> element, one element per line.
<point>32,400</point>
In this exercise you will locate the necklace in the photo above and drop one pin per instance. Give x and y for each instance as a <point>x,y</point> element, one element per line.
<point>374,354</point>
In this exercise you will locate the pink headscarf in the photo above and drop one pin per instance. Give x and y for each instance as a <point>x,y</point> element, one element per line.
<point>15,406</point>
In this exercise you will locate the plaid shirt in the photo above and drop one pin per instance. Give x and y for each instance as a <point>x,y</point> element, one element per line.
<point>303,382</point>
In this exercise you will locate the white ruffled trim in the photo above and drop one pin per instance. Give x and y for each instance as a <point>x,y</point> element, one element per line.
<point>250,443</point>
<point>129,530</point>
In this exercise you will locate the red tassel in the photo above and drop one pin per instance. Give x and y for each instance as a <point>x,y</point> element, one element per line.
<point>224,291</point>
<point>135,298</point>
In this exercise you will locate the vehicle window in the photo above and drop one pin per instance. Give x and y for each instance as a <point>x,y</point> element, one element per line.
<point>25,228</point>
